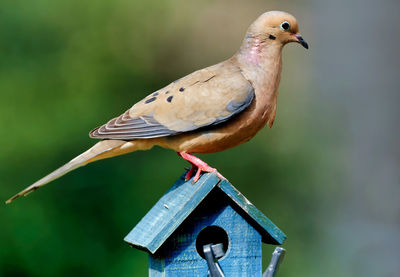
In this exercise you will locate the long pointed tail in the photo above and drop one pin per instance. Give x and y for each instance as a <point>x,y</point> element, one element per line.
<point>101,150</point>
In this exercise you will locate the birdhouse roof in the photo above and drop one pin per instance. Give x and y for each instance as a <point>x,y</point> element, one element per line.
<point>180,201</point>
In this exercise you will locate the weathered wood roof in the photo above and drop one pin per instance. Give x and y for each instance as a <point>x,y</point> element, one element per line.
<point>178,203</point>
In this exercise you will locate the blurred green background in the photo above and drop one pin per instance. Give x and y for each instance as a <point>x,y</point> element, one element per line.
<point>327,173</point>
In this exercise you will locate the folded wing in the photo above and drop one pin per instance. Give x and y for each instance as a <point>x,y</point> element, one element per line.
<point>206,97</point>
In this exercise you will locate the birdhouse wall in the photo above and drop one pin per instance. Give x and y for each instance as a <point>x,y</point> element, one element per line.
<point>179,256</point>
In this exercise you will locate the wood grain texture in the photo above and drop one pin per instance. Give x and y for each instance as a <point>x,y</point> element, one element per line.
<point>169,230</point>
<point>179,201</point>
<point>270,233</point>
<point>179,257</point>
<point>169,212</point>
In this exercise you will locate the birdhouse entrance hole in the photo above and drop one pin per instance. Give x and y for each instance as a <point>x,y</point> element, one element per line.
<point>212,235</point>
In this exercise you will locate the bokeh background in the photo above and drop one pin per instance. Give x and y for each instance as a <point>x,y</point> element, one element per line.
<point>327,173</point>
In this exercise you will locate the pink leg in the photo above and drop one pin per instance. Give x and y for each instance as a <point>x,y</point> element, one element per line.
<point>189,174</point>
<point>200,165</point>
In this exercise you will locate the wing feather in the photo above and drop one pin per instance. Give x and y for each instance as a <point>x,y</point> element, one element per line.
<point>206,97</point>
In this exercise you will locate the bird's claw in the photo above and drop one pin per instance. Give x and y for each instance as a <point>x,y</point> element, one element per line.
<point>189,174</point>
<point>199,166</point>
<point>196,177</point>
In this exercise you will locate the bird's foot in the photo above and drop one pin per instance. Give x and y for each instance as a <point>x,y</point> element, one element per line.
<point>190,173</point>
<point>198,166</point>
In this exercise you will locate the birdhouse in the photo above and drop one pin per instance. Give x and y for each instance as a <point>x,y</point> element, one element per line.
<point>197,226</point>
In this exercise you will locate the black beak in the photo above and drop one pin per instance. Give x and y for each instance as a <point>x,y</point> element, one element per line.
<point>301,41</point>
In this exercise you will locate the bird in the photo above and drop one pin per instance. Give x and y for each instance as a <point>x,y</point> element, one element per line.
<point>207,111</point>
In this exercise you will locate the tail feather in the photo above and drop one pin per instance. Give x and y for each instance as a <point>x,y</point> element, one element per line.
<point>101,150</point>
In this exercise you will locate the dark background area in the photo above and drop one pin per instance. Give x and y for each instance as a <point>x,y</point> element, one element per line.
<point>327,173</point>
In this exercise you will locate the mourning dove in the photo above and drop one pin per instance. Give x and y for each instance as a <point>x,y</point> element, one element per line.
<point>210,110</point>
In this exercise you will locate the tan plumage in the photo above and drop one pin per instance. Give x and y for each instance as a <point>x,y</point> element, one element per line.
<point>205,97</point>
<point>210,110</point>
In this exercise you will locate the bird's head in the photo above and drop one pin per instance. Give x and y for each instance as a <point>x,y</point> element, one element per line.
<point>278,26</point>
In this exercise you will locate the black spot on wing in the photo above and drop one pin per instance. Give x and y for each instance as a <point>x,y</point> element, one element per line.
<point>150,100</point>
<point>181,89</point>
<point>169,99</point>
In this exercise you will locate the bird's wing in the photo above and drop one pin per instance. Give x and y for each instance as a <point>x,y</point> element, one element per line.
<point>206,97</point>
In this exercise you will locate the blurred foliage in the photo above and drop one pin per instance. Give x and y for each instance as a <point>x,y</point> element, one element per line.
<point>68,66</point>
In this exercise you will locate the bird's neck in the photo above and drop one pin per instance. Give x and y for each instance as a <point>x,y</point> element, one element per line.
<point>260,60</point>
<point>260,55</point>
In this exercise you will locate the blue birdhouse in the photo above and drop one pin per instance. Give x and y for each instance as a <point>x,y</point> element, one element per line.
<point>196,226</point>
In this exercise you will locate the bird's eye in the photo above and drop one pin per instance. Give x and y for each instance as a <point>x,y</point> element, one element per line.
<point>285,26</point>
